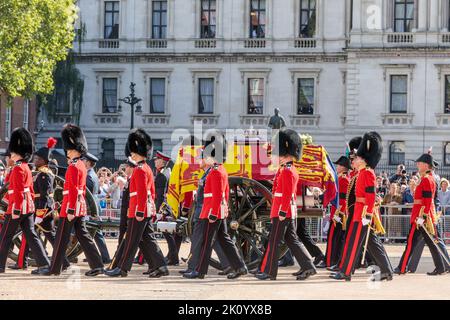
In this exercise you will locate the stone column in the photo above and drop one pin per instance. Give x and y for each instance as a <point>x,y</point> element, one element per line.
<point>423,14</point>
<point>434,15</point>
<point>356,16</point>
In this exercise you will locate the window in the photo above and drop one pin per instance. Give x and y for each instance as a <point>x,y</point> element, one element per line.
<point>208,19</point>
<point>447,95</point>
<point>8,116</point>
<point>157,95</point>
<point>109,95</point>
<point>403,15</point>
<point>305,96</point>
<point>111,30</point>
<point>108,149</point>
<point>157,145</point>
<point>62,99</point>
<point>255,96</point>
<point>447,154</point>
<point>257,18</point>
<point>397,153</point>
<point>26,111</point>
<point>307,18</point>
<point>399,93</point>
<point>159,19</point>
<point>205,95</point>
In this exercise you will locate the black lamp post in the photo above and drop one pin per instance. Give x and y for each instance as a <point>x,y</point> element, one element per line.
<point>132,101</point>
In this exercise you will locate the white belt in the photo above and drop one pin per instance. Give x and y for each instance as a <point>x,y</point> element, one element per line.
<point>207,195</point>
<point>278,194</point>
<point>66,192</point>
<point>132,194</point>
<point>24,191</point>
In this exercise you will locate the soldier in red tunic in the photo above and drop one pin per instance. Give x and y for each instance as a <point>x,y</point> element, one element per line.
<point>141,210</point>
<point>367,158</point>
<point>212,222</point>
<point>286,148</point>
<point>423,220</point>
<point>21,202</point>
<point>336,233</point>
<point>73,207</point>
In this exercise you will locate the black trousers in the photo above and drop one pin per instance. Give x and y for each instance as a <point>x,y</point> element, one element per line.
<point>417,238</point>
<point>173,246</point>
<point>26,223</point>
<point>123,225</point>
<point>63,233</point>
<point>196,245</point>
<point>140,235</point>
<point>100,241</point>
<point>212,232</point>
<point>335,244</point>
<point>306,239</point>
<point>355,244</point>
<point>283,230</point>
<point>46,227</point>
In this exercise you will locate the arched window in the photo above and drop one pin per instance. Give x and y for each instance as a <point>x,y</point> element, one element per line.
<point>397,153</point>
<point>108,149</point>
<point>447,154</point>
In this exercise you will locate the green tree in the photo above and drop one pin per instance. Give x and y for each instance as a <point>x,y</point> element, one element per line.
<point>34,36</point>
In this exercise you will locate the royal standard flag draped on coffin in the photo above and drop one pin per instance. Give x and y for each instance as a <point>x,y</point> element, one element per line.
<point>250,160</point>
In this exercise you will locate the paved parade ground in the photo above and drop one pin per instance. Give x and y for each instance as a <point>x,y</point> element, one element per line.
<point>74,285</point>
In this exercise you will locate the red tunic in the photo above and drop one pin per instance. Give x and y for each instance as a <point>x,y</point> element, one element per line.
<point>364,189</point>
<point>74,190</point>
<point>142,186</point>
<point>20,191</point>
<point>343,181</point>
<point>423,197</point>
<point>284,192</point>
<point>216,191</point>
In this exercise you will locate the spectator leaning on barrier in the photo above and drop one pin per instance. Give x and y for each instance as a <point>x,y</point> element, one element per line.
<point>444,196</point>
<point>393,198</point>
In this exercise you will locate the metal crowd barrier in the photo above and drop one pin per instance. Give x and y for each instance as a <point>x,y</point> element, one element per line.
<point>395,219</point>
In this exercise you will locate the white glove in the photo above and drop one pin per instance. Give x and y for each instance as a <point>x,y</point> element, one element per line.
<point>38,220</point>
<point>337,218</point>
<point>365,221</point>
<point>159,216</point>
<point>420,221</point>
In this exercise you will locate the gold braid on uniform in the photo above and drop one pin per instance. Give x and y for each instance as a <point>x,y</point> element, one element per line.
<point>347,198</point>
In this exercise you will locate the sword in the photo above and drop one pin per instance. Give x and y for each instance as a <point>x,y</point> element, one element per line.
<point>435,244</point>
<point>367,236</point>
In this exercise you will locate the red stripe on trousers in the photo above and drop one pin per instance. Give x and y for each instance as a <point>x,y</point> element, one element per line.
<point>57,248</point>
<point>128,246</point>
<point>276,246</point>
<point>330,244</point>
<point>355,246</point>
<point>205,243</point>
<point>347,239</point>
<point>23,246</point>
<point>408,250</point>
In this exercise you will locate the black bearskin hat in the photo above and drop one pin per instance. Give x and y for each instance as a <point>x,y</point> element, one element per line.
<point>44,152</point>
<point>21,143</point>
<point>140,142</point>
<point>215,146</point>
<point>371,148</point>
<point>344,161</point>
<point>73,139</point>
<point>354,145</point>
<point>287,142</point>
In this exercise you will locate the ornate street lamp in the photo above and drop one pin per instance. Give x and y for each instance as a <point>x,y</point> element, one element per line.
<point>132,101</point>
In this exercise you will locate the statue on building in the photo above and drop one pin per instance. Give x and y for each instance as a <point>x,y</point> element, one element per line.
<point>277,121</point>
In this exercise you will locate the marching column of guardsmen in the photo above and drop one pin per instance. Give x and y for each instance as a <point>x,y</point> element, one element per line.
<point>353,237</point>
